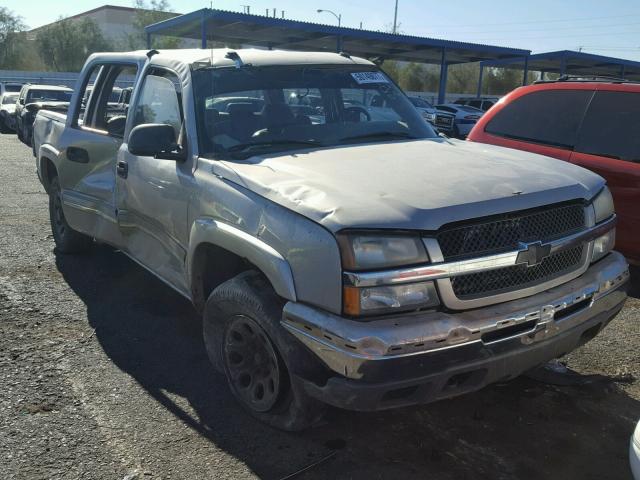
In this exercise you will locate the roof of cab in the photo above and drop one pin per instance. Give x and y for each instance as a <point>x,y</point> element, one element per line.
<point>217,57</point>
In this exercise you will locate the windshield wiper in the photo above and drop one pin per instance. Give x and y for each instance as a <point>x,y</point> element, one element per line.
<point>377,135</point>
<point>244,148</point>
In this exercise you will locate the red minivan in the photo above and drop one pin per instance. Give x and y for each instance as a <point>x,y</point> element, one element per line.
<point>594,124</point>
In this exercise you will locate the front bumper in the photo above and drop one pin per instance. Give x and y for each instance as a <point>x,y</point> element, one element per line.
<point>422,357</point>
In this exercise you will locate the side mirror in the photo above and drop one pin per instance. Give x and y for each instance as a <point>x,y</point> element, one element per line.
<point>155,140</point>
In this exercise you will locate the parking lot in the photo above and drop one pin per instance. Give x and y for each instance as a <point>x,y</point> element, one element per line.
<point>103,375</point>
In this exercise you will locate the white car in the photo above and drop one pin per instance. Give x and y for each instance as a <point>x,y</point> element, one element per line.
<point>466,117</point>
<point>634,453</point>
<point>7,112</point>
<point>10,87</point>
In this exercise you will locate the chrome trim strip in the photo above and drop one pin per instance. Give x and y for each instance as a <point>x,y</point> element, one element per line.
<point>438,271</point>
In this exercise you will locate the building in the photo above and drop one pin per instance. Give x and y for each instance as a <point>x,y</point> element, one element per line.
<point>116,23</point>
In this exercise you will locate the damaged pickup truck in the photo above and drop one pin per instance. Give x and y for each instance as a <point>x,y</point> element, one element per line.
<point>339,255</point>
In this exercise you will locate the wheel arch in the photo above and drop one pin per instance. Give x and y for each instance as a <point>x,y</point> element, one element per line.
<point>47,168</point>
<point>219,251</point>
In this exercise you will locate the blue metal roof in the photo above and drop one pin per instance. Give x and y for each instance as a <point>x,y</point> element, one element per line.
<point>240,28</point>
<point>572,63</point>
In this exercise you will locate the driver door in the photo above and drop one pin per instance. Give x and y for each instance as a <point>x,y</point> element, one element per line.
<point>153,194</point>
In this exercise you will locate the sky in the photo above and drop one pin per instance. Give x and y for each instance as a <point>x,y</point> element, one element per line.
<point>608,28</point>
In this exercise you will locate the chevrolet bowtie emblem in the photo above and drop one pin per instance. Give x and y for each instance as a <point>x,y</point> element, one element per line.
<point>533,253</point>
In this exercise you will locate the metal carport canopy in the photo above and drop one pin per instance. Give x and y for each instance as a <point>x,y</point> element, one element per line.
<point>567,62</point>
<point>269,32</point>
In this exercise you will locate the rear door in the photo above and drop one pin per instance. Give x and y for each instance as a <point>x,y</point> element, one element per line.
<point>88,149</point>
<point>543,121</point>
<point>609,144</point>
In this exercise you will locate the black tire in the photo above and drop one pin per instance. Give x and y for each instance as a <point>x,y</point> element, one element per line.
<point>245,341</point>
<point>67,239</point>
<point>3,126</point>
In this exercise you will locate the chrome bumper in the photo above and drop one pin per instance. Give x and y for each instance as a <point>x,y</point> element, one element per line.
<point>345,345</point>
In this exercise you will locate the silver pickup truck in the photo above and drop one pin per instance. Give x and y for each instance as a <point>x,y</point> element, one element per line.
<point>338,256</point>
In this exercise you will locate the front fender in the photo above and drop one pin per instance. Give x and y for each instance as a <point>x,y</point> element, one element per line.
<point>263,256</point>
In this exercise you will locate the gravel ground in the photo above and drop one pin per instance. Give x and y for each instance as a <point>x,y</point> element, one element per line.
<point>103,375</point>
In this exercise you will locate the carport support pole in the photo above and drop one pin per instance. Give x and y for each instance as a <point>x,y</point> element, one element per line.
<point>622,72</point>
<point>203,32</point>
<point>525,70</point>
<point>563,66</point>
<point>479,93</point>
<point>148,41</point>
<point>442,85</point>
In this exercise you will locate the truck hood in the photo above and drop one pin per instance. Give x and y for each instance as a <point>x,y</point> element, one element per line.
<point>410,184</point>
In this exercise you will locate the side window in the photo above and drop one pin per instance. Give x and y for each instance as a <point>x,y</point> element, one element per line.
<point>611,127</point>
<point>550,117</point>
<point>160,100</point>
<point>476,103</point>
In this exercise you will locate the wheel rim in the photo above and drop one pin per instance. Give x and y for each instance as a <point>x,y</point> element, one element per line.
<point>251,364</point>
<point>58,215</point>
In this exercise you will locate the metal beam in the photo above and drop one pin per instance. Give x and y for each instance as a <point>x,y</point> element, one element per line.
<point>479,93</point>
<point>148,41</point>
<point>525,70</point>
<point>563,65</point>
<point>442,85</point>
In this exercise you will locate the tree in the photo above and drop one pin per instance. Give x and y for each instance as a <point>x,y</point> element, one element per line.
<point>148,13</point>
<point>65,44</point>
<point>10,26</point>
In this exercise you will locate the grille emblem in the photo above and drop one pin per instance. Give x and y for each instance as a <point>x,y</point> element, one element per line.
<point>533,253</point>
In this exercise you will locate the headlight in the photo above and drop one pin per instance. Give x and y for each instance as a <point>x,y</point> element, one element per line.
<point>389,298</point>
<point>363,251</point>
<point>603,245</point>
<point>603,205</point>
<point>429,116</point>
<point>370,251</point>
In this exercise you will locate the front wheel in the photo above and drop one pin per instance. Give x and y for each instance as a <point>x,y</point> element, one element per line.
<point>67,240</point>
<point>244,339</point>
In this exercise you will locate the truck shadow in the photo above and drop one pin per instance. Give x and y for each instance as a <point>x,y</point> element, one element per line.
<point>522,429</point>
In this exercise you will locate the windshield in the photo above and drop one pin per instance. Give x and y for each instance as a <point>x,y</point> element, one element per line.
<point>12,87</point>
<point>9,99</point>
<point>250,110</point>
<point>48,96</point>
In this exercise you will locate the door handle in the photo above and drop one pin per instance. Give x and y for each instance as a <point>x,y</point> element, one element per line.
<point>122,168</point>
<point>77,154</point>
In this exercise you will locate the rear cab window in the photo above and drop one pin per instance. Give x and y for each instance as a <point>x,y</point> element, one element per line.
<point>548,117</point>
<point>611,127</point>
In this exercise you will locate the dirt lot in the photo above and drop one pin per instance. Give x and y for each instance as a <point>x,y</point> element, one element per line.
<point>103,375</point>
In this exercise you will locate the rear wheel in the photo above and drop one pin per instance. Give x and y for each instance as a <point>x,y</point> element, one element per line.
<point>67,240</point>
<point>246,342</point>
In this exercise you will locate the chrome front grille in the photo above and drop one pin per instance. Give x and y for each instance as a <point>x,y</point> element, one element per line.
<point>506,232</point>
<point>444,121</point>
<point>517,277</point>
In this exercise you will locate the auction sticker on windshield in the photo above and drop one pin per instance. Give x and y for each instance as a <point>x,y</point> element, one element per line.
<point>369,77</point>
